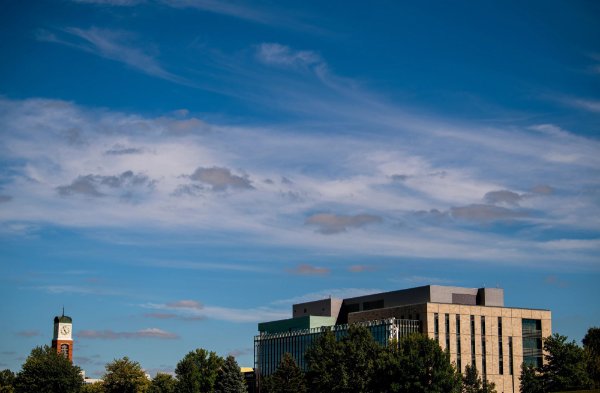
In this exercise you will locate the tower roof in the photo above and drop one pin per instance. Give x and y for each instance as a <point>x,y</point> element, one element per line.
<point>63,319</point>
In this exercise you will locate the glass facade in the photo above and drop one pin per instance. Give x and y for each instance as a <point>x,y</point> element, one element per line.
<point>270,348</point>
<point>532,342</point>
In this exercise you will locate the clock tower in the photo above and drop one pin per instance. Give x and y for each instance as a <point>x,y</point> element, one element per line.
<point>62,340</point>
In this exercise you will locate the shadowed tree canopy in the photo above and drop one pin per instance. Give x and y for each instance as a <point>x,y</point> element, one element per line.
<point>591,345</point>
<point>564,368</point>
<point>97,387</point>
<point>345,366</point>
<point>162,383</point>
<point>288,378</point>
<point>472,383</point>
<point>7,381</point>
<point>531,381</point>
<point>417,364</point>
<point>230,378</point>
<point>197,371</point>
<point>45,371</point>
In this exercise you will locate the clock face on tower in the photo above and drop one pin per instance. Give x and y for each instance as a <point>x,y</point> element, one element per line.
<point>65,330</point>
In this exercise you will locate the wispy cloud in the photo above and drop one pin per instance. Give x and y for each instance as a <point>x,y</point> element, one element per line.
<point>251,12</point>
<point>556,281</point>
<point>581,103</point>
<point>340,293</point>
<point>479,212</point>
<point>152,333</point>
<point>158,315</point>
<point>361,268</point>
<point>348,175</point>
<point>239,352</point>
<point>336,223</point>
<point>117,3</point>
<point>126,185</point>
<point>29,333</point>
<point>284,56</point>
<point>220,313</point>
<point>186,305</point>
<point>502,197</point>
<point>423,280</point>
<point>309,270</point>
<point>114,45</point>
<point>83,290</point>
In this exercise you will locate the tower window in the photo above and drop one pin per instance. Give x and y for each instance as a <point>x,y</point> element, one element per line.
<point>64,350</point>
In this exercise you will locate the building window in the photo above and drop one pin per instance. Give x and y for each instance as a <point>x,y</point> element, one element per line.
<point>532,342</point>
<point>500,349</point>
<point>510,356</point>
<point>436,327</point>
<point>483,350</point>
<point>458,349</point>
<point>447,332</point>
<point>64,350</point>
<point>472,340</point>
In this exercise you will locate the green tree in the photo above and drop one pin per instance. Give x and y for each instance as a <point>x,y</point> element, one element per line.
<point>45,371</point>
<point>345,366</point>
<point>197,371</point>
<point>288,378</point>
<point>162,383</point>
<point>7,381</point>
<point>564,368</point>
<point>591,345</point>
<point>230,378</point>
<point>471,382</point>
<point>417,364</point>
<point>326,372</point>
<point>97,387</point>
<point>125,376</point>
<point>531,379</point>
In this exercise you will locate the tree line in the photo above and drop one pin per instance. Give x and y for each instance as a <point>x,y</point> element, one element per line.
<point>200,371</point>
<point>354,364</point>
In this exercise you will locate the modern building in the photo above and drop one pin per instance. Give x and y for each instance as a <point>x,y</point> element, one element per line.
<point>62,339</point>
<point>471,323</point>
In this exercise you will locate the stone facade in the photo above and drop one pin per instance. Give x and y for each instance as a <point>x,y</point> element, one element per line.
<point>511,318</point>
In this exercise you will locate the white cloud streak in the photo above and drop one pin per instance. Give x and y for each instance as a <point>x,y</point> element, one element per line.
<point>409,165</point>
<point>235,315</point>
<point>151,333</point>
<point>114,45</point>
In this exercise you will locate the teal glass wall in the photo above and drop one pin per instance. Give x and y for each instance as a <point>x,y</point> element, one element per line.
<point>270,348</point>
<point>532,342</point>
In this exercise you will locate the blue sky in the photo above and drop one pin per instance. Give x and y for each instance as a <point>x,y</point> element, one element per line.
<point>175,171</point>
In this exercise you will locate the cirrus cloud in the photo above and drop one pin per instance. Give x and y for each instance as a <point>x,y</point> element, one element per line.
<point>309,270</point>
<point>335,223</point>
<point>108,334</point>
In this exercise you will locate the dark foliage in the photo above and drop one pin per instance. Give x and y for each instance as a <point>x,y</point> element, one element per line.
<point>45,371</point>
<point>230,379</point>
<point>197,372</point>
